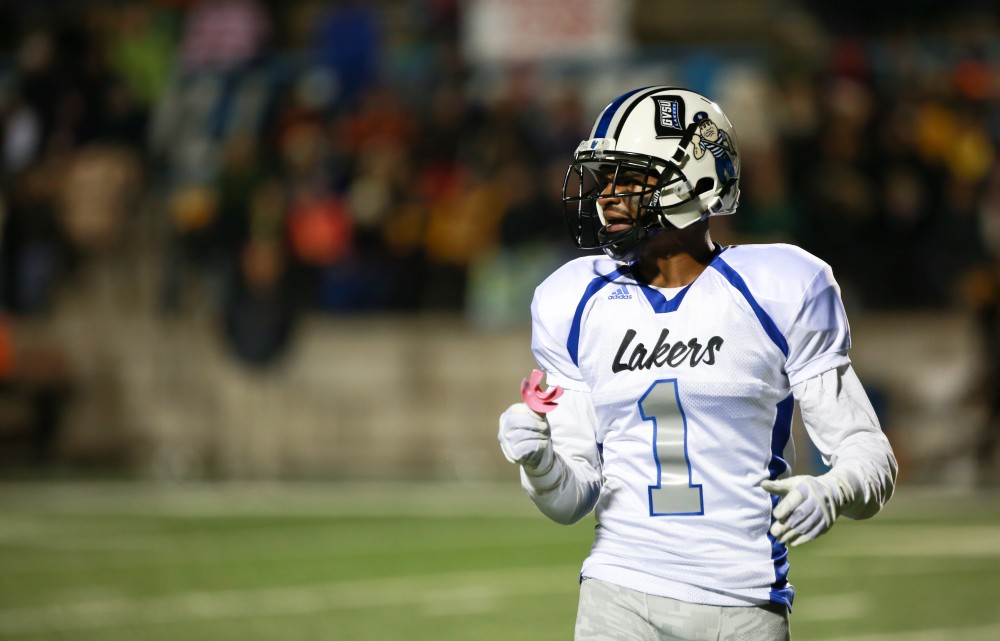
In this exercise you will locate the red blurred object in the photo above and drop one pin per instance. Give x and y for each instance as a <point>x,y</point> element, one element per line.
<point>321,231</point>
<point>6,350</point>
<point>973,79</point>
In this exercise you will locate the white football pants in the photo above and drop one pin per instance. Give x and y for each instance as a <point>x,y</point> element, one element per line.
<point>609,612</point>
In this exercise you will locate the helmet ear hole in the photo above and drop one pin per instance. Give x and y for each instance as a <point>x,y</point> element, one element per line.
<point>705,184</point>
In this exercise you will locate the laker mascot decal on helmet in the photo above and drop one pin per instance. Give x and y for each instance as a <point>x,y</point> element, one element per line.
<point>717,143</point>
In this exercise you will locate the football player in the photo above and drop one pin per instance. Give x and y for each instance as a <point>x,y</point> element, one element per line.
<point>680,362</point>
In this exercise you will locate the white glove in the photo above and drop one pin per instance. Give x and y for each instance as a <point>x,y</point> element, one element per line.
<point>809,506</point>
<point>525,439</point>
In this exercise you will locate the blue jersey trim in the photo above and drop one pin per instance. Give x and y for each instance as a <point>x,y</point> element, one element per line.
<point>573,340</point>
<point>601,131</point>
<point>737,281</point>
<point>660,303</point>
<point>780,435</point>
<point>781,590</point>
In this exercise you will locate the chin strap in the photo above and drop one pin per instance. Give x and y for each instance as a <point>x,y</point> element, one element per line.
<point>681,153</point>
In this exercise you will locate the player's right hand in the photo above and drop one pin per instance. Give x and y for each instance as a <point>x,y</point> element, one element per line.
<point>526,439</point>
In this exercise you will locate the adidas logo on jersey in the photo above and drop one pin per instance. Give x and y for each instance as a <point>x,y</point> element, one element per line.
<point>619,294</point>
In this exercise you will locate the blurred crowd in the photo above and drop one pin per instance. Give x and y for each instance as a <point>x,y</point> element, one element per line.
<point>346,157</point>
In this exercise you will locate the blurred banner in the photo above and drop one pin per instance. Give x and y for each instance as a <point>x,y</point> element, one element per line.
<point>538,30</point>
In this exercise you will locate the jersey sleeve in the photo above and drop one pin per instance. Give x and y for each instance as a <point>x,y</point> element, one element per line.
<point>818,336</point>
<point>569,490</point>
<point>552,311</point>
<point>840,421</point>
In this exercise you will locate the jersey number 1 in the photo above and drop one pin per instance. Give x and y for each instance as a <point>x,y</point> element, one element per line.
<point>674,494</point>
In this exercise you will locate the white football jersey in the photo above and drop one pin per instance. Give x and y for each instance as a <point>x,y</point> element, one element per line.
<point>691,390</point>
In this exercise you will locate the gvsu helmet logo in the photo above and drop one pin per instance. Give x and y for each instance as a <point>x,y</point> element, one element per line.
<point>669,120</point>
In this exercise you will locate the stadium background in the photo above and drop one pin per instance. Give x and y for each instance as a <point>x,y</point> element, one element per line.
<point>265,269</point>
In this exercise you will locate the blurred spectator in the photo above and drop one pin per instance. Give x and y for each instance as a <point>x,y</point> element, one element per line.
<point>321,229</point>
<point>141,50</point>
<point>39,85</point>
<point>396,176</point>
<point>462,225</point>
<point>347,41</point>
<point>767,211</point>
<point>100,186</point>
<point>192,210</point>
<point>22,136</point>
<point>44,377</point>
<point>981,293</point>
<point>255,161</point>
<point>259,313</point>
<point>36,381</point>
<point>33,249</point>
<point>532,242</point>
<point>213,220</point>
<point>241,174</point>
<point>6,350</point>
<point>223,35</point>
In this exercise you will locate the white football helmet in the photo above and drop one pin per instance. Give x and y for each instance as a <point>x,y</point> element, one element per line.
<point>677,144</point>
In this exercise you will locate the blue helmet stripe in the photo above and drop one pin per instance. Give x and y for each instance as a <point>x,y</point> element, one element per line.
<point>601,130</point>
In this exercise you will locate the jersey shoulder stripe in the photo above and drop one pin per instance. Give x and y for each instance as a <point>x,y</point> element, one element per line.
<point>779,277</point>
<point>776,272</point>
<point>766,322</point>
<point>598,283</point>
<point>557,309</point>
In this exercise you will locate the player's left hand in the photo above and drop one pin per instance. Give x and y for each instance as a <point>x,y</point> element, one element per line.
<point>808,507</point>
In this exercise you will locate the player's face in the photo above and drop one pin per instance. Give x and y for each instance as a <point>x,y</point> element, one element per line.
<point>620,197</point>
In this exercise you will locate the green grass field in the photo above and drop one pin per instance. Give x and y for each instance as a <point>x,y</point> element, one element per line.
<point>104,561</point>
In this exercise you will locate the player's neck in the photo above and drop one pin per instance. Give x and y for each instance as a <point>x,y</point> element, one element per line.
<point>676,258</point>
